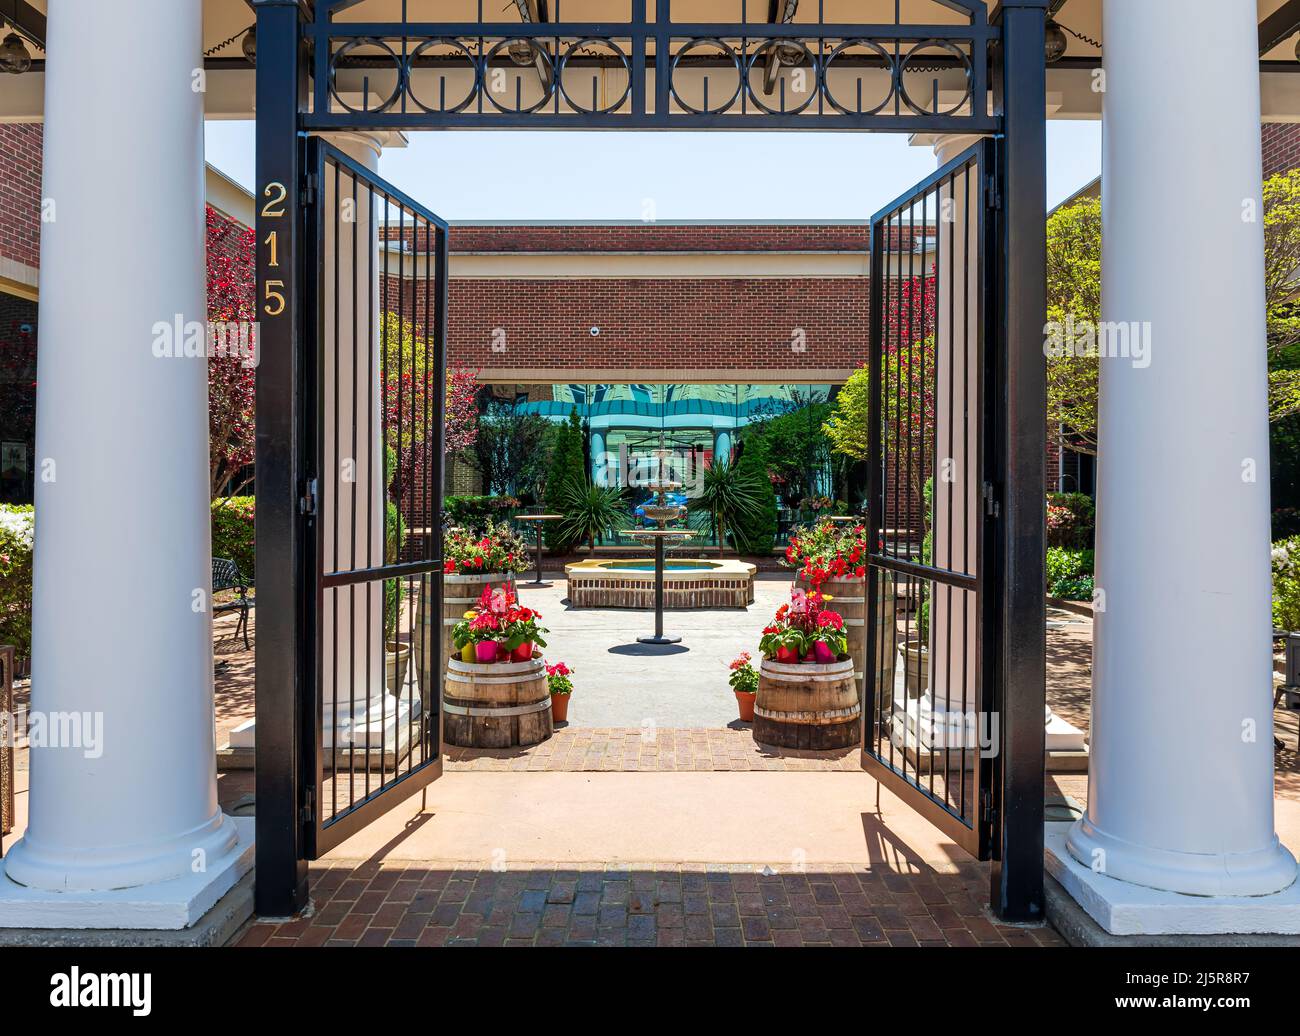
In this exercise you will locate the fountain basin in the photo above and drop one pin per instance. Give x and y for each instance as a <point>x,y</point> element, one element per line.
<point>598,583</point>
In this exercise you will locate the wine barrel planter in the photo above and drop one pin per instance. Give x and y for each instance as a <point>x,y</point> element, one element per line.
<point>460,593</point>
<point>849,598</point>
<point>806,705</point>
<point>496,706</point>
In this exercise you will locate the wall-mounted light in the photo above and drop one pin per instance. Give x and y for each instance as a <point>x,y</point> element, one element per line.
<point>249,44</point>
<point>14,57</point>
<point>1056,41</point>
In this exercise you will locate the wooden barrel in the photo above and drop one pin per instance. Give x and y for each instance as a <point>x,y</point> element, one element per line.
<point>496,706</point>
<point>848,597</point>
<point>806,705</point>
<point>459,594</point>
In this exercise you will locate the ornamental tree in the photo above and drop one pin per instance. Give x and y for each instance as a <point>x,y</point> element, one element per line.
<point>231,380</point>
<point>410,386</point>
<point>1074,289</point>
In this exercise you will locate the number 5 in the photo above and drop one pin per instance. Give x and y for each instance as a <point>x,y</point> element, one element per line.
<point>273,298</point>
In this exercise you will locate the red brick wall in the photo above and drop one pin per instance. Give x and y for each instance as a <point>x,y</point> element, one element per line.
<point>660,237</point>
<point>1281,144</point>
<point>20,192</point>
<point>747,324</point>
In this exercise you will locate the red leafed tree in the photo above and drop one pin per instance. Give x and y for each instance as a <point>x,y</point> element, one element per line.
<point>231,379</point>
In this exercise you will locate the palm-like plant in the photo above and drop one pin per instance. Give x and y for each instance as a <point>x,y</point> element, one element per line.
<point>729,493</point>
<point>588,511</point>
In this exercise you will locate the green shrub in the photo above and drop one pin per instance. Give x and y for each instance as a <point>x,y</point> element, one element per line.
<point>754,530</point>
<point>1069,574</point>
<point>1286,584</point>
<point>1067,564</point>
<point>232,532</point>
<point>1071,520</point>
<point>1076,588</point>
<point>17,530</point>
<point>473,510</point>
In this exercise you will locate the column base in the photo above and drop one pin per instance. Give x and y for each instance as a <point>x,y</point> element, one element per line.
<point>162,906</point>
<point>1262,872</point>
<point>1123,907</point>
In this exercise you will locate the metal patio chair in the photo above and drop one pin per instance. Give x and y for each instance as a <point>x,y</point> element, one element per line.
<point>226,576</point>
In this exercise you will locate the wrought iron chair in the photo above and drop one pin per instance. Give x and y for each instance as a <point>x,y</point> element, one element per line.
<point>226,576</point>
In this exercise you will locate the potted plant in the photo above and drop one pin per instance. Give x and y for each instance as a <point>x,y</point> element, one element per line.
<point>827,638</point>
<point>498,630</point>
<point>397,655</point>
<point>804,630</point>
<point>561,688</point>
<point>744,681</point>
<point>916,651</point>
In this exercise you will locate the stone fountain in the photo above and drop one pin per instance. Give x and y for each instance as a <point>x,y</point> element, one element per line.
<point>662,513</point>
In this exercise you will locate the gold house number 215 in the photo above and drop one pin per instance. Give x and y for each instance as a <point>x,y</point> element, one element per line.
<point>272,297</point>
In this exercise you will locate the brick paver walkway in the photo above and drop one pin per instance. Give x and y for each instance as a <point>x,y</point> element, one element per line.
<point>378,904</point>
<point>609,748</point>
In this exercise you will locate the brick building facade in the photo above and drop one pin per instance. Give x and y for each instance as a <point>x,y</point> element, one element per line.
<point>534,307</point>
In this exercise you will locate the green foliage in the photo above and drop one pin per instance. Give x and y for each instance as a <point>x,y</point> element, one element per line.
<point>511,450</point>
<point>472,511</point>
<point>1286,584</point>
<point>1074,291</point>
<point>1069,573</point>
<point>233,532</point>
<point>17,533</point>
<point>567,468</point>
<point>753,530</point>
<point>796,445</point>
<point>589,511</point>
<point>847,427</point>
<point>731,494</point>
<point>1071,520</point>
<point>927,557</point>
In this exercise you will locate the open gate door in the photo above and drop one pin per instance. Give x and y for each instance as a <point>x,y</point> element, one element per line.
<point>929,726</point>
<point>376,267</point>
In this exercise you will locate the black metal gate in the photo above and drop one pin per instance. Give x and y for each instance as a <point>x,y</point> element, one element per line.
<point>332,587</point>
<point>929,733</point>
<point>373,416</point>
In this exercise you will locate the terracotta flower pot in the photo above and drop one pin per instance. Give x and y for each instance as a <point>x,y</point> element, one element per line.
<point>560,707</point>
<point>522,653</point>
<point>822,653</point>
<point>745,700</point>
<point>485,651</point>
<point>787,656</point>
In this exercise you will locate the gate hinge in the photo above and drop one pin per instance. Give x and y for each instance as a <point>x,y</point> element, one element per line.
<point>307,812</point>
<point>307,502</point>
<point>986,805</point>
<point>991,508</point>
<point>309,189</point>
<point>992,196</point>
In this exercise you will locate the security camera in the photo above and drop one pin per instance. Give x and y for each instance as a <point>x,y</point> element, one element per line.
<point>594,331</point>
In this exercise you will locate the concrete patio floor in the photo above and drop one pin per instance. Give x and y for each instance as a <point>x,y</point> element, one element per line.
<point>575,842</point>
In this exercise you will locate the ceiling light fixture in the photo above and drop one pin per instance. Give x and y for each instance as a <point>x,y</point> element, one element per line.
<point>1056,42</point>
<point>14,56</point>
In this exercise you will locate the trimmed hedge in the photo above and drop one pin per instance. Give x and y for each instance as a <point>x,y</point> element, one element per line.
<point>17,531</point>
<point>232,532</point>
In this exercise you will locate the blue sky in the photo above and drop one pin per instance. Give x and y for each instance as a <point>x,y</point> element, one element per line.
<point>517,175</point>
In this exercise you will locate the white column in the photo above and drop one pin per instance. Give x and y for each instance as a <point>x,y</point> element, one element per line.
<point>950,698</point>
<point>354,490</point>
<point>1180,795</point>
<point>122,634</point>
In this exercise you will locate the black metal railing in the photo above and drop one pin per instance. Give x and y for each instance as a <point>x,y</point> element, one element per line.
<point>927,730</point>
<point>630,71</point>
<point>380,264</point>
